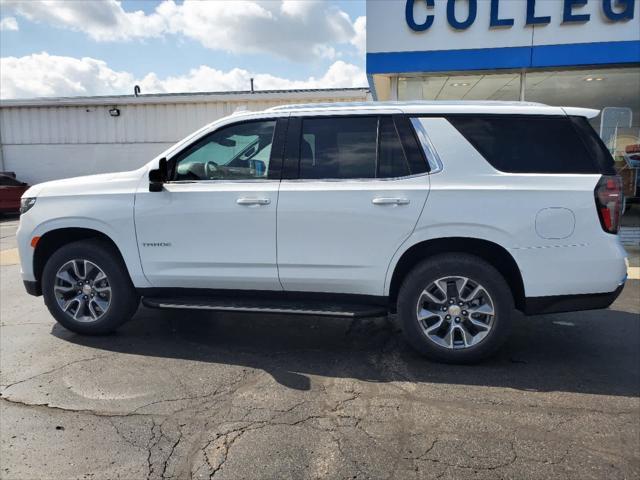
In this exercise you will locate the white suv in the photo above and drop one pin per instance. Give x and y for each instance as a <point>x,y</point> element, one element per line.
<point>450,214</point>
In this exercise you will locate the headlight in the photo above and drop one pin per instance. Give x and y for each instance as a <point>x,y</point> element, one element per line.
<point>26,204</point>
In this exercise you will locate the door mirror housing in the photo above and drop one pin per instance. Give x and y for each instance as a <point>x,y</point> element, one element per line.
<point>159,176</point>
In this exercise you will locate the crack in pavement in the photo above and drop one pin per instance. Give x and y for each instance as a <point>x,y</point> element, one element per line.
<point>150,447</point>
<point>173,448</point>
<point>179,399</point>
<point>226,445</point>
<point>228,438</point>
<point>97,413</point>
<point>511,461</point>
<point>74,362</point>
<point>160,449</point>
<point>121,435</point>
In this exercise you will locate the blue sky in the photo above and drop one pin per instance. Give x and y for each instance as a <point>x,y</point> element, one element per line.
<point>102,46</point>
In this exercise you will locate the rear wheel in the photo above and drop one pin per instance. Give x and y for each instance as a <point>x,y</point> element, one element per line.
<point>87,289</point>
<point>455,308</point>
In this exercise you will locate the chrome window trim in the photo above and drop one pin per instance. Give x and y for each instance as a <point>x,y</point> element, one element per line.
<point>300,180</point>
<point>435,163</point>
<point>362,180</point>
<point>218,181</point>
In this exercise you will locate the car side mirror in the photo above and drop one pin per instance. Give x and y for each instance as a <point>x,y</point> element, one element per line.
<point>159,176</point>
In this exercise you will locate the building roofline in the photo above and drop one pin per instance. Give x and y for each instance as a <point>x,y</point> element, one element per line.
<point>196,97</point>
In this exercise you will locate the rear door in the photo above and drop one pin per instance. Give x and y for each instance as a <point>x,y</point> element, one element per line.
<point>351,193</point>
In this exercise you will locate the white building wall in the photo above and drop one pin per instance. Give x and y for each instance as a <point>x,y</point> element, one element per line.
<point>47,139</point>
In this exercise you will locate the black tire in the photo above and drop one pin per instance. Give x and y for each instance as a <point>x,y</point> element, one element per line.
<point>463,265</point>
<point>124,299</point>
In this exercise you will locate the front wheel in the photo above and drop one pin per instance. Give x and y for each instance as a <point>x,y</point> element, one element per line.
<point>455,308</point>
<point>87,289</point>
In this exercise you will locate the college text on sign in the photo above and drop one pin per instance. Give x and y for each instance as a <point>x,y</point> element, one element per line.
<point>614,11</point>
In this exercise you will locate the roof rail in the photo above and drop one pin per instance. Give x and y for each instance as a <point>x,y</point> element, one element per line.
<point>300,106</point>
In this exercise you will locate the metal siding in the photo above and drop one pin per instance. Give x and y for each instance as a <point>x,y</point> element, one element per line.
<point>57,140</point>
<point>69,123</point>
<point>5,124</point>
<point>24,123</point>
<point>128,119</point>
<point>136,124</point>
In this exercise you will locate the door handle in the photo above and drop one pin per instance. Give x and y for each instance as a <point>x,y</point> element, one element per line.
<point>253,201</point>
<point>390,201</point>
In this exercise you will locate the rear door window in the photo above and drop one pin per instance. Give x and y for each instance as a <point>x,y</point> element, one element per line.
<point>392,161</point>
<point>528,144</point>
<point>357,147</point>
<point>338,147</point>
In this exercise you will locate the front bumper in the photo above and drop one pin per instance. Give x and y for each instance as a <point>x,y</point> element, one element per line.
<point>32,288</point>
<point>24,234</point>
<point>570,303</point>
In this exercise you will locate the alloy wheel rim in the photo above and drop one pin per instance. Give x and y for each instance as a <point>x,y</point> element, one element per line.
<point>82,290</point>
<point>455,312</point>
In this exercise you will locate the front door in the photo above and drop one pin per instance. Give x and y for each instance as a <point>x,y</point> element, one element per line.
<point>355,197</point>
<point>214,225</point>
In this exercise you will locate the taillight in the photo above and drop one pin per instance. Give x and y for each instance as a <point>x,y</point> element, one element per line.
<point>608,195</point>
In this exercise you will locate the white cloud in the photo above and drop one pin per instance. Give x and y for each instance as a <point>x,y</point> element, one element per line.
<point>101,20</point>
<point>204,78</point>
<point>44,75</point>
<point>299,30</point>
<point>359,40</point>
<point>9,23</point>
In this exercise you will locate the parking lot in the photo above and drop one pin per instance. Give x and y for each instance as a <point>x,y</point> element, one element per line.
<point>201,395</point>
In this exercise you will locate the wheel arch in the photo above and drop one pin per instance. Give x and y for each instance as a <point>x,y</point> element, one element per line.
<point>53,240</point>
<point>487,250</point>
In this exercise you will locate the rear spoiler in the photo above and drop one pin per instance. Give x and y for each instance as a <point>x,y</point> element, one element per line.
<point>581,112</point>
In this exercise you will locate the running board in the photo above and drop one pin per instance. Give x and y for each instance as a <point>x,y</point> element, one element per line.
<point>303,307</point>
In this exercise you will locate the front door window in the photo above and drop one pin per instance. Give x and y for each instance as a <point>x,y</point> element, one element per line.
<point>236,152</point>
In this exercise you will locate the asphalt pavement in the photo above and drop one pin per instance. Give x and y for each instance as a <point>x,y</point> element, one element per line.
<point>234,396</point>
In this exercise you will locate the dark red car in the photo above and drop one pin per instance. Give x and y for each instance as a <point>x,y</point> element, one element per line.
<point>10,192</point>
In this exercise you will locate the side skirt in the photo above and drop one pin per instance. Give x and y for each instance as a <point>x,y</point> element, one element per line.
<point>274,302</point>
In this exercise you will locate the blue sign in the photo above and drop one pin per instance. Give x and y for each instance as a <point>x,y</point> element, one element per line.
<point>431,37</point>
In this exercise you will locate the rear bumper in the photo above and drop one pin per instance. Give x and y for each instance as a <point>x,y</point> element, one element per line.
<point>596,266</point>
<point>32,288</point>
<point>570,303</point>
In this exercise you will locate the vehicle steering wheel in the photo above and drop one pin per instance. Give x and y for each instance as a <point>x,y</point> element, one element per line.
<point>210,169</point>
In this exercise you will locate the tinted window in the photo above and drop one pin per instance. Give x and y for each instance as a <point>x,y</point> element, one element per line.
<point>391,159</point>
<point>338,147</point>
<point>235,152</point>
<point>529,144</point>
<point>413,150</point>
<point>595,145</point>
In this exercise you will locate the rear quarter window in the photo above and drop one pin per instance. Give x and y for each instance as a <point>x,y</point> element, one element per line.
<point>595,145</point>
<point>529,144</point>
